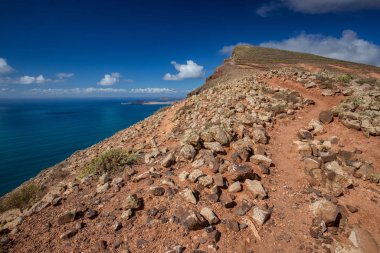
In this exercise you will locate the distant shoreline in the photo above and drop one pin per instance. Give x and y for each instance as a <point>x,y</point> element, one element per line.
<point>150,103</point>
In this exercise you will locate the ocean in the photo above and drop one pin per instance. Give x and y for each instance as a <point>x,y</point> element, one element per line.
<point>36,134</point>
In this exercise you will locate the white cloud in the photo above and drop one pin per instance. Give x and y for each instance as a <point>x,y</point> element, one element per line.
<point>4,67</point>
<point>318,6</point>
<point>348,47</point>
<point>188,70</point>
<point>4,90</point>
<point>153,90</point>
<point>103,90</point>
<point>110,79</point>
<point>227,50</point>
<point>32,79</point>
<point>64,75</point>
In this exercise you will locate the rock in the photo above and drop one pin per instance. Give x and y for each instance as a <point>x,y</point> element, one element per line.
<point>117,226</point>
<point>259,136</point>
<point>304,134</point>
<point>195,174</point>
<point>240,173</point>
<point>168,160</point>
<point>260,159</point>
<point>132,202</point>
<point>233,225</point>
<point>117,182</point>
<point>67,217</point>
<point>352,209</point>
<point>9,215</point>
<point>191,137</point>
<point>326,117</point>
<point>206,181</point>
<point>310,85</point>
<point>192,220</point>
<point>218,180</point>
<point>214,236</point>
<point>219,135</point>
<point>188,152</point>
<point>68,234</point>
<point>103,188</point>
<point>256,188</point>
<point>325,210</point>
<point>312,163</point>
<point>91,214</point>
<point>157,190</point>
<point>327,92</point>
<point>209,215</point>
<point>351,123</point>
<point>235,187</point>
<point>104,179</point>
<point>260,216</point>
<point>363,240</point>
<point>303,148</point>
<point>244,208</point>
<point>215,147</point>
<point>127,214</point>
<point>183,176</point>
<point>227,201</point>
<point>316,127</point>
<point>188,195</point>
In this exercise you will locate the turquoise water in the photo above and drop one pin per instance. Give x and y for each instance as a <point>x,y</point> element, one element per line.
<point>36,134</point>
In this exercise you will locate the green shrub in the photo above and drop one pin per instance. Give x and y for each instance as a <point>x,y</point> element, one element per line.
<point>371,81</point>
<point>21,198</point>
<point>110,161</point>
<point>345,78</point>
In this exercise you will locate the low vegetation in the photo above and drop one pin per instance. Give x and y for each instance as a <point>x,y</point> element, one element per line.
<point>345,78</point>
<point>111,161</point>
<point>21,198</point>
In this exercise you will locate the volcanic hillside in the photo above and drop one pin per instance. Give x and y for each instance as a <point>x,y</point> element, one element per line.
<point>277,152</point>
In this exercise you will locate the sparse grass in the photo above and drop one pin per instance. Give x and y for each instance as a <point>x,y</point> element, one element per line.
<point>371,81</point>
<point>324,82</point>
<point>345,78</point>
<point>21,198</point>
<point>110,161</point>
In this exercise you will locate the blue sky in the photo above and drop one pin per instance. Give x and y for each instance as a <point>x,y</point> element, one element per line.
<point>73,48</point>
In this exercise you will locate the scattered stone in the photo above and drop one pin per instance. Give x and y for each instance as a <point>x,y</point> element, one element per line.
<point>127,214</point>
<point>240,173</point>
<point>67,217</point>
<point>256,188</point>
<point>192,220</point>
<point>235,187</point>
<point>183,176</point>
<point>352,209</point>
<point>244,208</point>
<point>168,160</point>
<point>103,188</point>
<point>117,226</point>
<point>327,92</point>
<point>68,234</point>
<point>233,225</point>
<point>260,159</point>
<point>215,147</point>
<point>91,214</point>
<point>209,215</point>
<point>214,236</point>
<point>326,117</point>
<point>117,182</point>
<point>195,174</point>
<point>325,210</point>
<point>205,181</point>
<point>260,216</point>
<point>218,180</point>
<point>188,152</point>
<point>312,163</point>
<point>104,179</point>
<point>304,134</point>
<point>132,202</point>
<point>157,190</point>
<point>227,201</point>
<point>188,195</point>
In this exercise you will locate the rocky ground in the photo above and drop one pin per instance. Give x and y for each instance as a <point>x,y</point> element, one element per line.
<point>281,158</point>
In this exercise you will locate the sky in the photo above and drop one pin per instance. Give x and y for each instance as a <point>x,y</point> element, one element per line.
<point>155,48</point>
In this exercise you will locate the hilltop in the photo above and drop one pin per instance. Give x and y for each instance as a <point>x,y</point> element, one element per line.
<point>276,152</point>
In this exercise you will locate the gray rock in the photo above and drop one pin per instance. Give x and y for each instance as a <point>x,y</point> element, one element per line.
<point>168,160</point>
<point>188,152</point>
<point>235,187</point>
<point>68,234</point>
<point>326,117</point>
<point>189,196</point>
<point>209,215</point>
<point>215,147</point>
<point>195,174</point>
<point>206,181</point>
<point>256,188</point>
<point>131,202</point>
<point>363,240</point>
<point>260,216</point>
<point>325,210</point>
<point>67,217</point>
<point>103,188</point>
<point>260,159</point>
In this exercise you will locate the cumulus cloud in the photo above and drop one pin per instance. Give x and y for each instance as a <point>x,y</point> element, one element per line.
<point>318,6</point>
<point>64,75</point>
<point>32,79</point>
<point>53,91</point>
<point>348,47</point>
<point>227,50</point>
<point>4,67</point>
<point>188,70</point>
<point>153,90</point>
<point>111,79</point>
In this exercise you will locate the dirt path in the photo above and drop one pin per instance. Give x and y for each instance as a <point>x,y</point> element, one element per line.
<point>291,207</point>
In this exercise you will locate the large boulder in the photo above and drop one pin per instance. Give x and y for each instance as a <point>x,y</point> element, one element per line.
<point>256,188</point>
<point>325,210</point>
